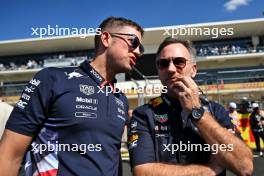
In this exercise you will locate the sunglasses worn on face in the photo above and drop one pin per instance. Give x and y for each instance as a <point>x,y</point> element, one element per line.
<point>179,62</point>
<point>134,41</point>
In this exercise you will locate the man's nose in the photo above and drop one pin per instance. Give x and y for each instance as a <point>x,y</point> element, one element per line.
<point>137,52</point>
<point>171,67</point>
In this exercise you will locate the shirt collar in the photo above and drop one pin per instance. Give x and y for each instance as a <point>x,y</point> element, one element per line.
<point>170,101</point>
<point>87,68</point>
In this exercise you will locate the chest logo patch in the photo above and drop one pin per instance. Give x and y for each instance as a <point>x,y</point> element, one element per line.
<point>162,118</point>
<point>87,90</point>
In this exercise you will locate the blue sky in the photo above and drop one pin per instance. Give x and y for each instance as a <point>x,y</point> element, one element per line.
<point>17,17</point>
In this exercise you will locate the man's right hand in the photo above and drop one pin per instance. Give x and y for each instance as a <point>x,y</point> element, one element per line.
<point>186,90</point>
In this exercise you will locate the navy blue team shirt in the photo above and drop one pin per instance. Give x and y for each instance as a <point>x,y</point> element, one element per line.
<point>76,126</point>
<point>157,126</point>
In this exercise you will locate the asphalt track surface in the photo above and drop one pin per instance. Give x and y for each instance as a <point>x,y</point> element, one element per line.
<point>258,167</point>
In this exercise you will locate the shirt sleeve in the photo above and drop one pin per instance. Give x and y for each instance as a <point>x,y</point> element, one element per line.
<point>140,141</point>
<point>32,109</point>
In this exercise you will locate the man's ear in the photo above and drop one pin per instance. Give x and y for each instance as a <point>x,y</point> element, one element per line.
<point>194,70</point>
<point>105,39</point>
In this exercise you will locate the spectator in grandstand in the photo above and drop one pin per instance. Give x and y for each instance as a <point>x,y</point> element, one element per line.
<point>224,50</point>
<point>233,49</point>
<point>13,66</point>
<point>34,64</point>
<point>170,134</point>
<point>2,67</point>
<point>205,51</point>
<point>73,62</point>
<point>232,110</point>
<point>41,64</point>
<point>5,110</point>
<point>201,52</point>
<point>227,49</point>
<point>70,121</point>
<point>257,126</point>
<point>29,64</point>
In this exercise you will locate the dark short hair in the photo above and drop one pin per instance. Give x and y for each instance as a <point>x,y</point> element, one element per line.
<point>112,22</point>
<point>169,40</point>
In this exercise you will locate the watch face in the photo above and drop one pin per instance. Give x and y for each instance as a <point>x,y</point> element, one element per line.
<point>197,113</point>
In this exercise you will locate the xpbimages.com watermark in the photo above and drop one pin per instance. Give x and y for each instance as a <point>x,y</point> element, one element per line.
<point>107,90</point>
<point>212,32</point>
<point>57,147</point>
<point>181,147</point>
<point>56,30</point>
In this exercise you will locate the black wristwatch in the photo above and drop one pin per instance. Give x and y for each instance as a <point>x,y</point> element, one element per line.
<point>197,113</point>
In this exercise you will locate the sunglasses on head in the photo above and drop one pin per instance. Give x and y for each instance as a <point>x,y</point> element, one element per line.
<point>179,62</point>
<point>134,41</point>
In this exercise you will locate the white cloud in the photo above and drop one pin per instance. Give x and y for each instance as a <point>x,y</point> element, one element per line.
<point>232,5</point>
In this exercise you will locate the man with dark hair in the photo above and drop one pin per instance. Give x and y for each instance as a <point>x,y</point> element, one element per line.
<point>64,121</point>
<point>181,133</point>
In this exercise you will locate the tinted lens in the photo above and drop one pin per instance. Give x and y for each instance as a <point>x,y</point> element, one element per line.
<point>163,63</point>
<point>141,49</point>
<point>179,62</point>
<point>136,43</point>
